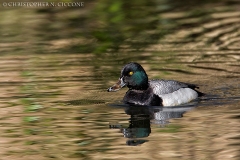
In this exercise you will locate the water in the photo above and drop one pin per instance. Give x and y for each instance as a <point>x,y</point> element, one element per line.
<point>54,99</point>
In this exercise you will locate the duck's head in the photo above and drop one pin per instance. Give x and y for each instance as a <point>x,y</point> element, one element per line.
<point>133,76</point>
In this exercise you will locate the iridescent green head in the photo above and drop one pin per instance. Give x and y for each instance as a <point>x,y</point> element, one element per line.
<point>133,76</point>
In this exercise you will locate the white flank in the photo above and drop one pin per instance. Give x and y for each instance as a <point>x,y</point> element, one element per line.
<point>182,95</point>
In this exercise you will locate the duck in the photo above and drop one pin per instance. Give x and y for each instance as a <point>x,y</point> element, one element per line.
<point>156,92</point>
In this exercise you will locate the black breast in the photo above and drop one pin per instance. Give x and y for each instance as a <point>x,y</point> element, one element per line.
<point>142,97</point>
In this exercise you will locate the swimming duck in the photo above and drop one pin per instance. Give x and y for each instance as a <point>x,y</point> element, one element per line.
<point>154,92</point>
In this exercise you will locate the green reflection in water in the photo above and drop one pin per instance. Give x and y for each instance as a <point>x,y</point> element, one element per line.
<point>170,129</point>
<point>131,24</point>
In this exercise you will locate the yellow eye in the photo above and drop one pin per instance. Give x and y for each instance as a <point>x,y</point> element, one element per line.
<point>130,73</point>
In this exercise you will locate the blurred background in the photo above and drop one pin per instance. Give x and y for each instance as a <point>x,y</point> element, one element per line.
<point>57,62</point>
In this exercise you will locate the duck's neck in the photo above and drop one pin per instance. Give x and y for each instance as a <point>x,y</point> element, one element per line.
<point>142,87</point>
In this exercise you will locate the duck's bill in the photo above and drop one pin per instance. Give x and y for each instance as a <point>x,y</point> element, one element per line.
<point>120,84</point>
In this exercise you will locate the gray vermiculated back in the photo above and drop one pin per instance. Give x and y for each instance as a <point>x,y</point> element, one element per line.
<point>167,86</point>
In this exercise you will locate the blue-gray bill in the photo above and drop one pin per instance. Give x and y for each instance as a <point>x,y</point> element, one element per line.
<point>120,84</point>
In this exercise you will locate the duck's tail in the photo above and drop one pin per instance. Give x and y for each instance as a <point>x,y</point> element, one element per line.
<point>200,94</point>
<point>194,87</point>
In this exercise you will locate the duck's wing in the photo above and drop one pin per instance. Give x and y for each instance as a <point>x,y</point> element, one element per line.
<point>161,87</point>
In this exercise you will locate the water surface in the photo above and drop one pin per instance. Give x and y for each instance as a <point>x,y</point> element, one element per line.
<point>54,99</point>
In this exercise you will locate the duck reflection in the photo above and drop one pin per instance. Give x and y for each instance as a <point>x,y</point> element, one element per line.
<point>141,118</point>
